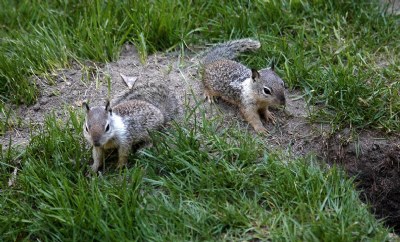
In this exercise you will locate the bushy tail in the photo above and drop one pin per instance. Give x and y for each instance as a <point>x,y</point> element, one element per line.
<point>230,50</point>
<point>155,93</point>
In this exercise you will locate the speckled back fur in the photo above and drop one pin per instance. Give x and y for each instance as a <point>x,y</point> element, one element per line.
<point>139,116</point>
<point>154,92</point>
<point>230,75</point>
<point>230,50</point>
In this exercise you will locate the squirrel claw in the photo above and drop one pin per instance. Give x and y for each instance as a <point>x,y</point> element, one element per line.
<point>120,166</point>
<point>270,117</point>
<point>90,172</point>
<point>210,99</point>
<point>94,168</point>
<point>261,131</point>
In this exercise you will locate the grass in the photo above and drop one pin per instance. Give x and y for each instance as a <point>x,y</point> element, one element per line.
<point>8,118</point>
<point>198,182</point>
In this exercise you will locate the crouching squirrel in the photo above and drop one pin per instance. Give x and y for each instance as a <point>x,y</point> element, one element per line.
<point>253,91</point>
<point>127,122</point>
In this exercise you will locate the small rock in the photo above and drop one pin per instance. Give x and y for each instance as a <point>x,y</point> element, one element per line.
<point>36,107</point>
<point>346,132</point>
<point>43,101</point>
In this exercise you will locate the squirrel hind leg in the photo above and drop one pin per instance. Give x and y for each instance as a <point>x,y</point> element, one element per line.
<point>210,99</point>
<point>209,96</point>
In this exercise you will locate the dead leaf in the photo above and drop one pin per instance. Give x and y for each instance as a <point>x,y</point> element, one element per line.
<point>129,80</point>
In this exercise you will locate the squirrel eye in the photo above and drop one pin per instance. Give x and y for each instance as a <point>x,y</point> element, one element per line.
<point>107,127</point>
<point>86,128</point>
<point>267,91</point>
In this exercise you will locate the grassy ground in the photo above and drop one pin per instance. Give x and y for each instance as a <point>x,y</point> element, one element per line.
<point>198,183</point>
<point>202,182</point>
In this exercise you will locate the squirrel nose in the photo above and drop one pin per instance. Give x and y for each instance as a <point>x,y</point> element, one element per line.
<point>96,143</point>
<point>282,100</point>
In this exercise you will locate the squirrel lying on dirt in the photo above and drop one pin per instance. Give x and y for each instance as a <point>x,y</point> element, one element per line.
<point>253,91</point>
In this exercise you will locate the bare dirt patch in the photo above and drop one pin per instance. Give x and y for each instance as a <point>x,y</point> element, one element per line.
<point>393,6</point>
<point>371,157</point>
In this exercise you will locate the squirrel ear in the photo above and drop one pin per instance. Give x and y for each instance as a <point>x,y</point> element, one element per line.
<point>108,108</point>
<point>273,65</point>
<point>254,74</point>
<point>86,105</point>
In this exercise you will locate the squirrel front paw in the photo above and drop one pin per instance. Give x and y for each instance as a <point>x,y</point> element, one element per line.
<point>94,168</point>
<point>120,166</point>
<point>261,130</point>
<point>269,116</point>
<point>122,161</point>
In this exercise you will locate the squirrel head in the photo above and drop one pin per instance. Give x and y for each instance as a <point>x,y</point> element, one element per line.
<point>98,127</point>
<point>269,86</point>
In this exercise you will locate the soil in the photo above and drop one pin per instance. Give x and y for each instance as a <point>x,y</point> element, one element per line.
<point>392,6</point>
<point>371,157</point>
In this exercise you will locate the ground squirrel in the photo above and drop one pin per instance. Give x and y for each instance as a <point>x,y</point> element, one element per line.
<point>148,106</point>
<point>253,91</point>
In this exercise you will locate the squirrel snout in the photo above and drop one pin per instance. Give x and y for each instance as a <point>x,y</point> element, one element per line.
<point>282,100</point>
<point>96,143</point>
